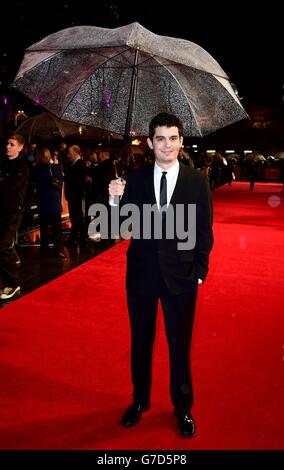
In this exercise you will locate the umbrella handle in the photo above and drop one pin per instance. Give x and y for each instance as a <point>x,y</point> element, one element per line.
<point>116,199</point>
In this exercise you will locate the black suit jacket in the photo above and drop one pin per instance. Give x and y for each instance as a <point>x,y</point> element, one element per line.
<point>147,258</point>
<point>14,178</point>
<point>75,182</point>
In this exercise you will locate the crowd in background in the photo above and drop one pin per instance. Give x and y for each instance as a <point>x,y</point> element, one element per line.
<point>86,172</point>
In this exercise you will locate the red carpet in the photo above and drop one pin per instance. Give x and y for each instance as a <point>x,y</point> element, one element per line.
<point>65,347</point>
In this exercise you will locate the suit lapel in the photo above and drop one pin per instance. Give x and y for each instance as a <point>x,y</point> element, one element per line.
<point>182,181</point>
<point>149,185</point>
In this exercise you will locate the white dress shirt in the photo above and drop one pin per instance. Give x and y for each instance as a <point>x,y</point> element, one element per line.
<point>172,175</point>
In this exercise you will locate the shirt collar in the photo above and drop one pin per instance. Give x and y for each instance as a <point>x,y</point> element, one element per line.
<point>173,170</point>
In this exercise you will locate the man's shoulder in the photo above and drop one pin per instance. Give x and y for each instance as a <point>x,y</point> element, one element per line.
<point>78,168</point>
<point>194,175</point>
<point>79,162</point>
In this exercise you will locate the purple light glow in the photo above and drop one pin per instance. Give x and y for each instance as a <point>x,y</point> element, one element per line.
<point>107,98</point>
<point>37,101</point>
<point>5,99</point>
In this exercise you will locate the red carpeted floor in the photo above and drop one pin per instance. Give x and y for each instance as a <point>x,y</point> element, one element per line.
<point>65,347</point>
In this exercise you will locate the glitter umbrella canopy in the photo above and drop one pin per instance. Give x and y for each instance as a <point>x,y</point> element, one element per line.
<point>118,79</point>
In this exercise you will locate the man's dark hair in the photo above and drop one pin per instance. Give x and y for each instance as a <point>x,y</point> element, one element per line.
<point>165,119</point>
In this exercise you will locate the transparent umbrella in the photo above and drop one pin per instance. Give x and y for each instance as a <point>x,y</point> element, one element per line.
<point>279,155</point>
<point>118,79</point>
<point>233,157</point>
<point>217,158</point>
<point>46,126</point>
<point>254,157</point>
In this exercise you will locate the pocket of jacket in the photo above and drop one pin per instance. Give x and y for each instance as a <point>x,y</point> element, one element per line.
<point>186,256</point>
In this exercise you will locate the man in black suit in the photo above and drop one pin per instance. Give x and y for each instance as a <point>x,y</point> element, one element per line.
<point>165,269</point>
<point>74,193</point>
<point>102,175</point>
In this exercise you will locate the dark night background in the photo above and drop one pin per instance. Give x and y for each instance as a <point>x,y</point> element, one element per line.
<point>247,44</point>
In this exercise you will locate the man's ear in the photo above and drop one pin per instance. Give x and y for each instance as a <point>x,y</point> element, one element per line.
<point>181,141</point>
<point>149,142</point>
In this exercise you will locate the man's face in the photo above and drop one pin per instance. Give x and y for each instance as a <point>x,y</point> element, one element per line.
<point>103,155</point>
<point>70,153</point>
<point>13,148</point>
<point>166,144</point>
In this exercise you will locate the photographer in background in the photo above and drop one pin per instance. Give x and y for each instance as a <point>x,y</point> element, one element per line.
<point>14,176</point>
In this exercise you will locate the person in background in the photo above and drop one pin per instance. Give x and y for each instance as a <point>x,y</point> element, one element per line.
<point>74,193</point>
<point>14,177</point>
<point>251,172</point>
<point>63,159</point>
<point>158,270</point>
<point>230,172</point>
<point>185,158</point>
<point>49,202</point>
<point>103,173</point>
<point>31,154</point>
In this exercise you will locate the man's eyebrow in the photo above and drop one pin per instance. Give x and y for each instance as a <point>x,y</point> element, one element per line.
<point>174,135</point>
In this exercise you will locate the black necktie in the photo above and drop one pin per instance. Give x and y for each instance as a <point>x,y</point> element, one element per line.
<point>163,200</point>
<point>163,190</point>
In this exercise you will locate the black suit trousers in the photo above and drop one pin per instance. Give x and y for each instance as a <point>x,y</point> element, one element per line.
<point>178,311</point>
<point>78,229</point>
<point>8,231</point>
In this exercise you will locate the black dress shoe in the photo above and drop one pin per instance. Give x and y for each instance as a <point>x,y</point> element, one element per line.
<point>185,424</point>
<point>133,414</point>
